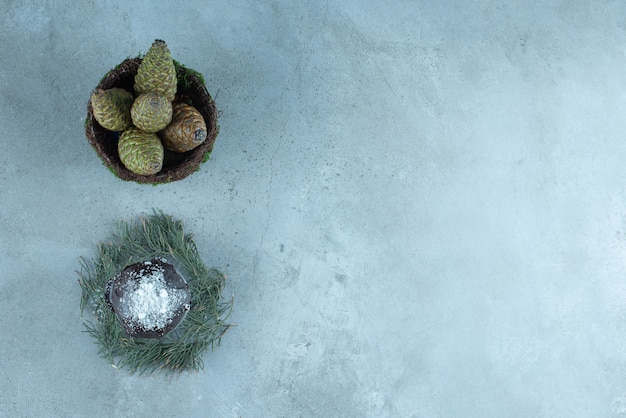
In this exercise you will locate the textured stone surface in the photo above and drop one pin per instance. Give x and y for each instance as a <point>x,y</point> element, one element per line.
<point>420,207</point>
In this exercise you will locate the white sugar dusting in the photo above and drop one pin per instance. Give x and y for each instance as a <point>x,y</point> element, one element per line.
<point>148,302</point>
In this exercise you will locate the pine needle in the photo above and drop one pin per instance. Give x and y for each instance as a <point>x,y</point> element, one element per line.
<point>204,325</point>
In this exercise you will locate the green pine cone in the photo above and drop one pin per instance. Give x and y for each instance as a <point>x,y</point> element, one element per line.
<point>157,72</point>
<point>140,152</point>
<point>186,131</point>
<point>111,108</point>
<point>151,112</point>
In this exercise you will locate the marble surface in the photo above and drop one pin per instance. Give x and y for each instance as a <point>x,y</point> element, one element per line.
<point>420,207</point>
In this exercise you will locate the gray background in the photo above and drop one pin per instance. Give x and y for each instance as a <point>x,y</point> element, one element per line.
<point>420,206</point>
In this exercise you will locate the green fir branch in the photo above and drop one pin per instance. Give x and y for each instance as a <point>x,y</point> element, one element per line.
<point>205,322</point>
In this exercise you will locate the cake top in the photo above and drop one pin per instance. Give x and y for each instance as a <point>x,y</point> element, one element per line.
<point>149,298</point>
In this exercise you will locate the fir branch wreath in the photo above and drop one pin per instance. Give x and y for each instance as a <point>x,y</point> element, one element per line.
<point>156,235</point>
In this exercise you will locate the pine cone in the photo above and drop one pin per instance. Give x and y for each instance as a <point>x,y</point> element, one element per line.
<point>111,108</point>
<point>141,152</point>
<point>186,131</point>
<point>157,72</point>
<point>151,112</point>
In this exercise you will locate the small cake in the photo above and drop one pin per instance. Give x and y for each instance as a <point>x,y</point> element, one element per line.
<point>149,298</point>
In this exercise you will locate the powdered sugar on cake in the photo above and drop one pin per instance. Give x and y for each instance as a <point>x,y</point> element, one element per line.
<point>148,303</point>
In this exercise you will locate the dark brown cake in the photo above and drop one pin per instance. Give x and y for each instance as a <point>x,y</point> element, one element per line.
<point>149,298</point>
